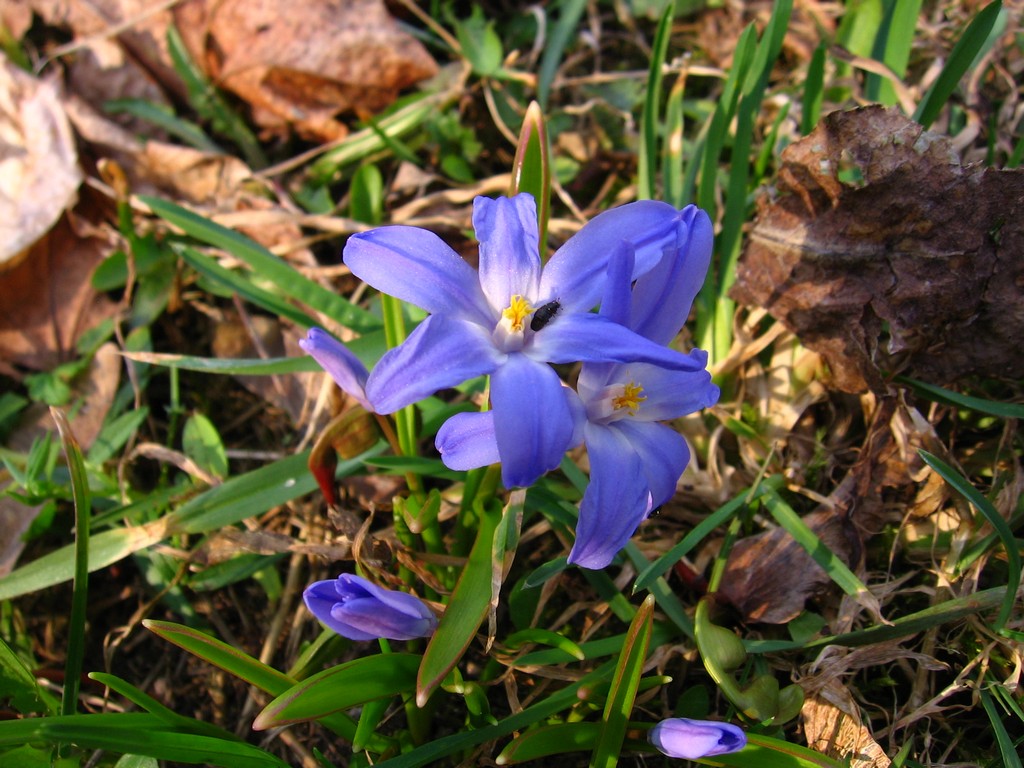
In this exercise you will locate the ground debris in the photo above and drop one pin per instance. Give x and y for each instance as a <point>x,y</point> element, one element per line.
<point>884,254</point>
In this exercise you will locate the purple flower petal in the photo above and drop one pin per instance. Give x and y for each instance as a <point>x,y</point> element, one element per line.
<point>693,739</point>
<point>360,610</point>
<point>662,298</point>
<point>419,267</point>
<point>616,501</point>
<point>441,352</point>
<point>590,337</point>
<point>618,295</point>
<point>663,453</point>
<point>345,368</point>
<point>532,421</point>
<point>669,394</point>
<point>576,273</point>
<point>509,257</point>
<point>467,441</point>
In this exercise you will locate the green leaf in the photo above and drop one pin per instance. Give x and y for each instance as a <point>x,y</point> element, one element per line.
<point>242,666</point>
<point>972,42</point>
<point>264,263</point>
<point>998,523</point>
<point>140,734</point>
<point>342,687</point>
<point>242,284</point>
<point>625,681</point>
<point>549,740</point>
<point>228,366</point>
<point>80,586</point>
<point>648,153</point>
<point>19,687</point>
<point>201,443</point>
<point>467,607</point>
<point>367,195</point>
<point>480,44</point>
<point>115,433</point>
<point>956,399</point>
<point>836,569</point>
<point>531,168</point>
<point>766,752</point>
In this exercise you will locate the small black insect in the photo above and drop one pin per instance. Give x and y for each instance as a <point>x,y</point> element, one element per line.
<point>544,315</point>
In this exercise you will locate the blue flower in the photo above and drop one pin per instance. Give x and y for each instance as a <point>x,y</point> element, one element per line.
<point>360,610</point>
<point>634,460</point>
<point>346,369</point>
<point>694,739</point>
<point>485,321</point>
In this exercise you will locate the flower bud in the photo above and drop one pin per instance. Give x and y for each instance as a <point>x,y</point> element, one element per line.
<point>693,739</point>
<point>360,610</point>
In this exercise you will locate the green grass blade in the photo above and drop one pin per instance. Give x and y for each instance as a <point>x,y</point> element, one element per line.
<point>464,614</point>
<point>568,19</point>
<point>19,687</point>
<point>672,178</point>
<point>767,752</point>
<point>662,592</point>
<point>892,46</point>
<point>648,151</point>
<point>1001,527</point>
<point>1006,746</point>
<point>719,517</point>
<point>242,666</point>
<point>264,263</point>
<point>165,119</point>
<point>138,734</point>
<point>206,101</point>
<point>430,753</point>
<point>625,682</point>
<point>905,626</point>
<point>978,404</point>
<point>550,740</point>
<point>971,43</point>
<point>836,569</point>
<point>80,586</point>
<point>244,496</point>
<point>242,284</point>
<point>531,168</point>
<point>360,144</point>
<point>342,687</point>
<point>59,566</point>
<point>271,366</point>
<point>814,90</point>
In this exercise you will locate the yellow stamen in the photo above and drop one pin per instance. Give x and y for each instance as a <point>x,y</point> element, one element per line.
<point>631,397</point>
<point>517,311</point>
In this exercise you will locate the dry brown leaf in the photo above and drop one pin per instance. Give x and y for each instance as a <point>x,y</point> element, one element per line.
<point>39,174</point>
<point>769,577</point>
<point>883,253</point>
<point>47,301</point>
<point>832,726</point>
<point>303,67</point>
<point>15,519</point>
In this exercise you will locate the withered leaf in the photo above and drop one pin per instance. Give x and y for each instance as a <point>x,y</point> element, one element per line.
<point>304,66</point>
<point>884,254</point>
<point>39,173</point>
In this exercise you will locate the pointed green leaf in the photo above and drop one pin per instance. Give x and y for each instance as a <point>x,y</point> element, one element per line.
<point>531,168</point>
<point>624,686</point>
<point>342,687</point>
<point>466,610</point>
<point>268,266</point>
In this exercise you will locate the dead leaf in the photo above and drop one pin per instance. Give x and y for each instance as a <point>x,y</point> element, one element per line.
<point>304,68</point>
<point>832,726</point>
<point>41,318</point>
<point>769,577</point>
<point>39,174</point>
<point>884,254</point>
<point>15,519</point>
